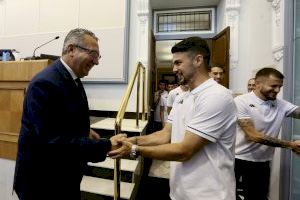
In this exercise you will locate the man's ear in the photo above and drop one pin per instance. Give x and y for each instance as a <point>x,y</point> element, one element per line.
<point>259,81</point>
<point>198,59</point>
<point>71,50</point>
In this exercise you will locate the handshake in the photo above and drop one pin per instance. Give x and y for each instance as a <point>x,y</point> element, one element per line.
<point>121,146</point>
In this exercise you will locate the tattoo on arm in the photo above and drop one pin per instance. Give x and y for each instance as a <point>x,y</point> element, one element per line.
<point>245,123</point>
<point>274,142</point>
<point>296,113</point>
<point>255,136</point>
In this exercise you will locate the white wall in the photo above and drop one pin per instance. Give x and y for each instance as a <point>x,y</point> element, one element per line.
<point>6,181</point>
<point>255,47</point>
<point>21,17</point>
<point>108,96</point>
<point>220,16</point>
<point>28,21</point>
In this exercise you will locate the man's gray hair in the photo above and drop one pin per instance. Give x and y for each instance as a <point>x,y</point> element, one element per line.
<point>76,36</point>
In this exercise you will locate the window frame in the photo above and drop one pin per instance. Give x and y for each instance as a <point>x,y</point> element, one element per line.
<point>212,22</point>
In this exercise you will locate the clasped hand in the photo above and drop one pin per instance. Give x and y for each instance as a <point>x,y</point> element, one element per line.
<point>296,147</point>
<point>121,146</point>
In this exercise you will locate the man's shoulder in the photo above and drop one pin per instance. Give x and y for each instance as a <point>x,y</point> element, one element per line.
<point>246,96</point>
<point>173,92</point>
<point>218,91</point>
<point>50,74</point>
<point>165,94</point>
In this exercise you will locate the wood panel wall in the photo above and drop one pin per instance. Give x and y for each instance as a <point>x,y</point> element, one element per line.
<point>14,79</point>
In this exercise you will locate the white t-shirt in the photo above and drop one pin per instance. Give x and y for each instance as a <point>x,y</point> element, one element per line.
<point>209,112</point>
<point>172,95</point>
<point>267,117</point>
<point>157,108</point>
<point>163,103</point>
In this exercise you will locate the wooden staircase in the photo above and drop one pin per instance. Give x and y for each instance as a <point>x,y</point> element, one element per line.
<point>98,183</point>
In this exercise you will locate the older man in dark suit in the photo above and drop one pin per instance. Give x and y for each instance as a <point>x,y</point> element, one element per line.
<point>56,141</point>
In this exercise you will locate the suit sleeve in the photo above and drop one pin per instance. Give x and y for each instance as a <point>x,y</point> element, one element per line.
<point>57,126</point>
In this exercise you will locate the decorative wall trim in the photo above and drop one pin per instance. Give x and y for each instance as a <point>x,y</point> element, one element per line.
<point>277,10</point>
<point>143,14</point>
<point>277,29</point>
<point>143,11</point>
<point>278,53</point>
<point>232,14</point>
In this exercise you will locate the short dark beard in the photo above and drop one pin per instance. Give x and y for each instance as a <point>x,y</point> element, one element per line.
<point>269,98</point>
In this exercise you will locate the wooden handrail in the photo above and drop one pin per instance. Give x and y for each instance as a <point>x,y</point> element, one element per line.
<point>120,116</point>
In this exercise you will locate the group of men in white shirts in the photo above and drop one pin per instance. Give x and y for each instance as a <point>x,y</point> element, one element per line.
<point>248,154</point>
<point>165,96</point>
<point>166,100</point>
<point>213,140</point>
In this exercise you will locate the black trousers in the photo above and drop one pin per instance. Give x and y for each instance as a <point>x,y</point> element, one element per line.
<point>252,179</point>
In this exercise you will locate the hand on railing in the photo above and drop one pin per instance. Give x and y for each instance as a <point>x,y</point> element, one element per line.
<point>123,151</point>
<point>116,141</point>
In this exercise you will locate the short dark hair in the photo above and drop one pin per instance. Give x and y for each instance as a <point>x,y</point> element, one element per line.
<point>195,45</point>
<point>267,71</point>
<point>162,81</point>
<point>218,66</point>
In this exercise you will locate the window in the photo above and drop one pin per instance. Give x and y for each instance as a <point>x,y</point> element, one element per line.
<point>184,21</point>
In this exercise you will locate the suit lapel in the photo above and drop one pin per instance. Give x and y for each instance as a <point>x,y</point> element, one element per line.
<point>79,89</point>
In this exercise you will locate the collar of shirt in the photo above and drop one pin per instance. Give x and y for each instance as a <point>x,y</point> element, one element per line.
<point>203,86</point>
<point>262,102</point>
<point>69,69</point>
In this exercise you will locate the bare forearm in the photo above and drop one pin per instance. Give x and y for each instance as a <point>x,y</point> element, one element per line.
<point>170,152</point>
<point>155,138</point>
<point>296,113</point>
<point>273,142</point>
<point>255,136</point>
<point>169,110</point>
<point>162,117</point>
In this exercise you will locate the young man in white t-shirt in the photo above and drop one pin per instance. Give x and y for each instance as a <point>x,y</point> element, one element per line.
<point>173,94</point>
<point>160,93</point>
<point>200,133</point>
<point>217,73</point>
<point>260,115</point>
<point>163,109</point>
<point>251,84</point>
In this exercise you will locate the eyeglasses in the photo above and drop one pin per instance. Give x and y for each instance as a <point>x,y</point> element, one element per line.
<point>93,53</point>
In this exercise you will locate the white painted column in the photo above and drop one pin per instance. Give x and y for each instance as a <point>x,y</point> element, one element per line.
<point>232,19</point>
<point>277,51</point>
<point>143,16</point>
<point>277,29</point>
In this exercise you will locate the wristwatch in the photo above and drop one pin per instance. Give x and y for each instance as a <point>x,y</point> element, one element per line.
<point>133,152</point>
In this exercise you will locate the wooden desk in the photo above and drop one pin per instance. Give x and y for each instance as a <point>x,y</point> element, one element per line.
<point>14,78</point>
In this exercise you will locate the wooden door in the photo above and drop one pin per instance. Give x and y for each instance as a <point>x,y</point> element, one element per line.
<point>220,52</point>
<point>153,70</point>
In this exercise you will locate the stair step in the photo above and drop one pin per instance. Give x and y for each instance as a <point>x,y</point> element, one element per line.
<point>128,125</point>
<point>126,164</point>
<point>105,187</point>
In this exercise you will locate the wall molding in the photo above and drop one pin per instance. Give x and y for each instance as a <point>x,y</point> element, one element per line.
<point>232,13</point>
<point>277,29</point>
<point>278,53</point>
<point>143,14</point>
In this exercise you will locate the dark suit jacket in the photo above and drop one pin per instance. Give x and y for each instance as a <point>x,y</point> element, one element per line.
<point>53,146</point>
